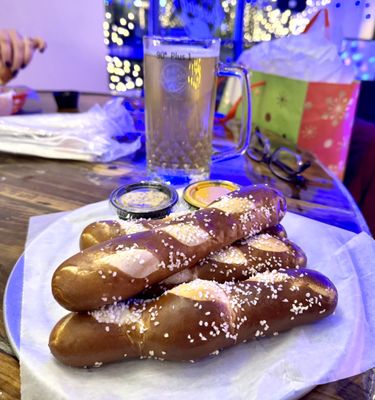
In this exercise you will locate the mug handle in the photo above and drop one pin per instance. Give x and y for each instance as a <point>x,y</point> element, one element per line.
<point>244,139</point>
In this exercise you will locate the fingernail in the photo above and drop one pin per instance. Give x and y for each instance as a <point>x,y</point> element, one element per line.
<point>23,66</point>
<point>14,73</point>
<point>8,64</point>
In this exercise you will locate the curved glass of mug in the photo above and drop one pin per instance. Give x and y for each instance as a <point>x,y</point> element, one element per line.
<point>180,76</point>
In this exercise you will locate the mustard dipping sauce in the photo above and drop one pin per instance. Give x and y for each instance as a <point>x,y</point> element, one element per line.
<point>201,194</point>
<point>209,194</point>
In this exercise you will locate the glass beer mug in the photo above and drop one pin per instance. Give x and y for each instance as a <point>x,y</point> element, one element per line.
<point>180,76</point>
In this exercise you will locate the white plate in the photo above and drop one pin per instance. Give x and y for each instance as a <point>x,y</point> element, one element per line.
<point>274,368</point>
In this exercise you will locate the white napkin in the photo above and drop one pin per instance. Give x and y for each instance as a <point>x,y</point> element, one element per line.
<point>87,136</point>
<point>310,57</point>
<point>284,367</point>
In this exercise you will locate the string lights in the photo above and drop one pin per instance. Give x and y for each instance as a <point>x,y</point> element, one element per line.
<point>125,24</point>
<point>264,21</point>
<point>124,65</point>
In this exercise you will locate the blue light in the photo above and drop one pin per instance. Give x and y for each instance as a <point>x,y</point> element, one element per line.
<point>365,77</point>
<point>344,55</point>
<point>357,56</point>
<point>163,3</point>
<point>371,60</point>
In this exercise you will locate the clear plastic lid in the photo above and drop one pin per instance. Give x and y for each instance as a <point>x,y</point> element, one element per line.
<point>143,200</point>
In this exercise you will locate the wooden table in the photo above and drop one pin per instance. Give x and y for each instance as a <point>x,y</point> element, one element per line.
<point>33,186</point>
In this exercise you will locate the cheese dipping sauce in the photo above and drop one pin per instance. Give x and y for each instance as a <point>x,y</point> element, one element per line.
<point>144,199</point>
<point>201,194</point>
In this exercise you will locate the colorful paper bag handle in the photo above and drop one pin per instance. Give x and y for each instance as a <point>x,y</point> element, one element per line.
<point>315,17</point>
<point>232,112</point>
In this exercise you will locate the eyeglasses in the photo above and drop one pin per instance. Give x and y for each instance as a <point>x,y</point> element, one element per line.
<point>283,162</point>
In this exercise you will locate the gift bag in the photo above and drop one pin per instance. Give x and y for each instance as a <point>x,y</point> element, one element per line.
<point>303,92</point>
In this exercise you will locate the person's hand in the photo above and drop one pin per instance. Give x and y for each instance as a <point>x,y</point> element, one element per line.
<point>16,52</point>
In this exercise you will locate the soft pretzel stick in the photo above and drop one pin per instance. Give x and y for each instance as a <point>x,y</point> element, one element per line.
<point>194,320</point>
<point>262,252</point>
<point>259,253</point>
<point>277,231</point>
<point>125,266</point>
<point>101,231</point>
<point>246,258</point>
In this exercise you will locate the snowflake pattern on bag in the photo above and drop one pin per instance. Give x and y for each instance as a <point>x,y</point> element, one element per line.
<point>337,108</point>
<point>327,122</point>
<point>309,131</point>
